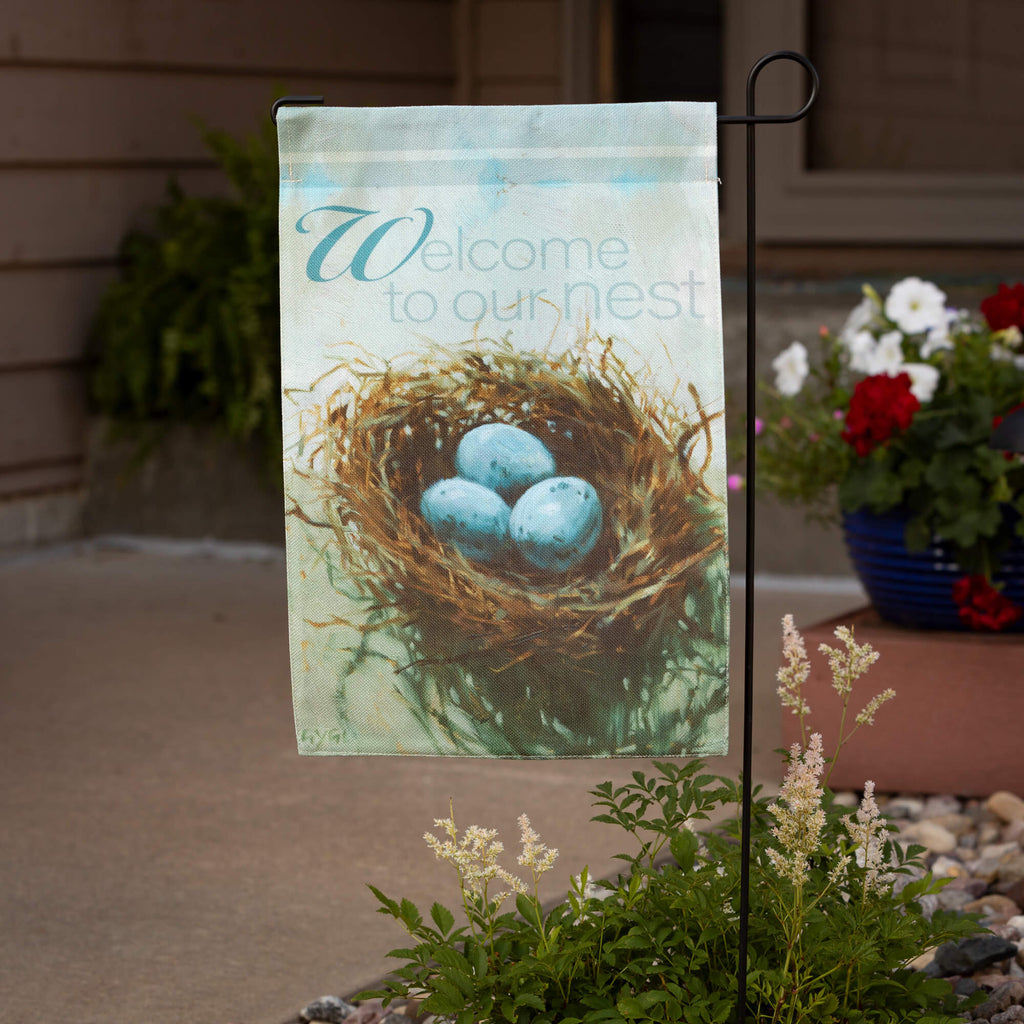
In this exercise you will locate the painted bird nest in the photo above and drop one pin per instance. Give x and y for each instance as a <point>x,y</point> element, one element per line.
<point>578,660</point>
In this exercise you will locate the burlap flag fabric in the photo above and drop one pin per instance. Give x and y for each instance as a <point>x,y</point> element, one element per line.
<point>503,420</point>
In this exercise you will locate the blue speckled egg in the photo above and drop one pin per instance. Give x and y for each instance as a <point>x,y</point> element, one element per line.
<point>556,523</point>
<point>504,458</point>
<point>468,516</point>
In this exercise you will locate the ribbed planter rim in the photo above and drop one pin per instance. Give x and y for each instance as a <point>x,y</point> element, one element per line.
<point>915,588</point>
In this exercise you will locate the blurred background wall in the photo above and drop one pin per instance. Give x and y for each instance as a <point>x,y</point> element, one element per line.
<point>912,162</point>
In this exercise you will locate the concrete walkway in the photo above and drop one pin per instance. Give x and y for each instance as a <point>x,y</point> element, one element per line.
<point>166,855</point>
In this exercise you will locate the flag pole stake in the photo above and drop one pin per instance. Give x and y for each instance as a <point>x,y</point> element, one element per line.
<point>751,120</point>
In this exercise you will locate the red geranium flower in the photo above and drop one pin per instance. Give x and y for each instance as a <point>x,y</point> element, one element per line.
<point>982,606</point>
<point>1005,308</point>
<point>880,406</point>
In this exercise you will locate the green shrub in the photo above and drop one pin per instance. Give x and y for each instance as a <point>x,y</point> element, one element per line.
<point>189,333</point>
<point>836,908</point>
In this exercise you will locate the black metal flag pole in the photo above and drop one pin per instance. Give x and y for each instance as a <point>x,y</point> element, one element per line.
<point>751,120</point>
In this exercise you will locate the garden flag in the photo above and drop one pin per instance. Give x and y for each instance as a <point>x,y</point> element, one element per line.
<point>503,430</point>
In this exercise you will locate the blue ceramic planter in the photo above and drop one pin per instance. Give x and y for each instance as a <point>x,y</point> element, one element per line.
<point>915,588</point>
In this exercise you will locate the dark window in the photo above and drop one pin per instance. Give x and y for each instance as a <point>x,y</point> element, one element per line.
<point>668,50</point>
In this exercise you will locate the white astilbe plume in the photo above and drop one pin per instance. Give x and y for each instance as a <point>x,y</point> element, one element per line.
<point>867,715</point>
<point>868,834</point>
<point>848,664</point>
<point>794,673</point>
<point>474,857</point>
<point>798,812</point>
<point>535,855</point>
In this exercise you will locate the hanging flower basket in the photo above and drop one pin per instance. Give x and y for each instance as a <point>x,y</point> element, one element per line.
<point>919,589</point>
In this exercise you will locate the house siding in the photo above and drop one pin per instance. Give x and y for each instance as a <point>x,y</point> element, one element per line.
<point>101,101</point>
<point>103,97</point>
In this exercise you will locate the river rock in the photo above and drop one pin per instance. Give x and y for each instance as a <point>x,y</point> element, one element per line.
<point>327,1010</point>
<point>986,869</point>
<point>1008,1016</point>
<point>997,851</point>
<point>1008,994</point>
<point>959,824</point>
<point>973,954</point>
<point>1011,869</point>
<point>932,837</point>
<point>947,867</point>
<point>1006,806</point>
<point>998,908</point>
<point>990,979</point>
<point>904,807</point>
<point>954,899</point>
<point>941,804</point>
<point>975,886</point>
<point>373,1012</point>
<point>1016,892</point>
<point>990,832</point>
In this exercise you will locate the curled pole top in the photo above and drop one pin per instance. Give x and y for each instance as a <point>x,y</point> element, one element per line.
<point>750,117</point>
<point>294,101</point>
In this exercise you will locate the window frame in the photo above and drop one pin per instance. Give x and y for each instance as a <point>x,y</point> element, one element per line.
<point>797,205</point>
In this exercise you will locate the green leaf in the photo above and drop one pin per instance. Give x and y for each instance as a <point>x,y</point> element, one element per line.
<point>531,1000</point>
<point>390,906</point>
<point>629,1006</point>
<point>402,953</point>
<point>442,917</point>
<point>477,957</point>
<point>649,999</point>
<point>684,845</point>
<point>410,916</point>
<point>529,909</point>
<point>917,534</point>
<point>456,969</point>
<point>445,997</point>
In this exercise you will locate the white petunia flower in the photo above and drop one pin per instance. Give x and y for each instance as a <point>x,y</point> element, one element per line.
<point>860,316</point>
<point>791,369</point>
<point>887,357</point>
<point>924,379</point>
<point>938,337</point>
<point>861,347</point>
<point>915,305</point>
